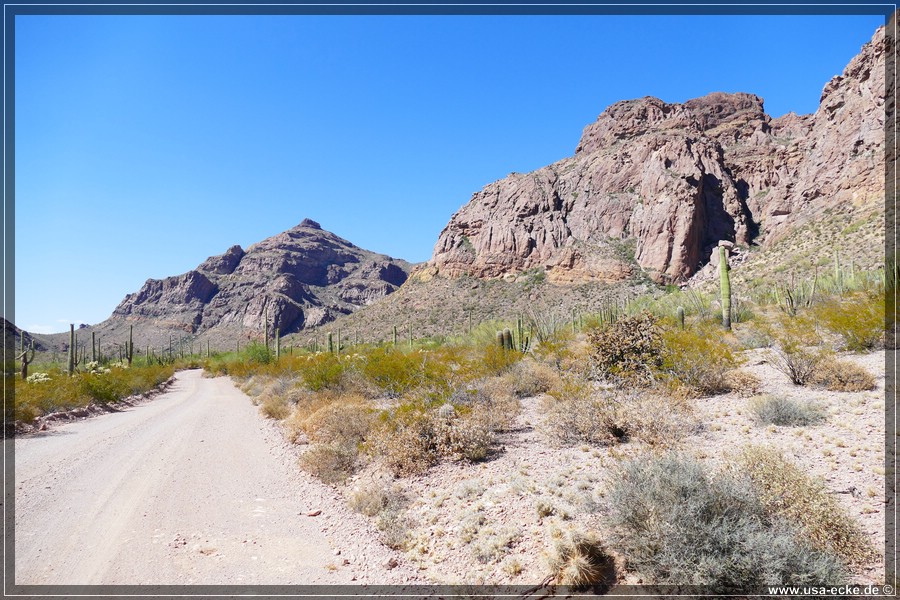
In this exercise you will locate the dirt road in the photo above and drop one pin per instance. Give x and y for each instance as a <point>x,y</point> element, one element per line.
<point>191,488</point>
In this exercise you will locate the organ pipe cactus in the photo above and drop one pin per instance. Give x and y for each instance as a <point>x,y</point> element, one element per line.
<point>725,284</point>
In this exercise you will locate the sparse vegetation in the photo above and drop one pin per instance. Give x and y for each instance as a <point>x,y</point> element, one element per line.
<point>675,523</point>
<point>785,412</point>
<point>787,492</point>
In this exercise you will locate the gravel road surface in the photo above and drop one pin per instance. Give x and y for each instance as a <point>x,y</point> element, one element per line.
<point>194,487</point>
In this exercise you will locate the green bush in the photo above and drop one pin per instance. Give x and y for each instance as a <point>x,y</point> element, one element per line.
<point>785,412</point>
<point>321,371</point>
<point>395,372</point>
<point>859,320</point>
<point>676,524</point>
<point>699,358</point>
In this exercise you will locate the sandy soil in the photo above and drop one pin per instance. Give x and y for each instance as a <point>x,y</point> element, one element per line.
<point>191,488</point>
<point>496,522</point>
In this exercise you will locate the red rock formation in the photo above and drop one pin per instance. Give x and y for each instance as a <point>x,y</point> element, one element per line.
<point>676,179</point>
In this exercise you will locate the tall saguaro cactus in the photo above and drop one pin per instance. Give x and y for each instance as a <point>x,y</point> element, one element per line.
<point>25,358</point>
<point>71,349</point>
<point>725,284</point>
<point>129,347</point>
<point>277,343</point>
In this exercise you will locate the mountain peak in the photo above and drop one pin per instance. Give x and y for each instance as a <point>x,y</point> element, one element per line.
<point>309,223</point>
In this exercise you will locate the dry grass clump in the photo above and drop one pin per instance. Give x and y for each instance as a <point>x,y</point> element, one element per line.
<point>529,377</point>
<point>785,412</point>
<point>338,426</point>
<point>579,560</point>
<point>386,502</point>
<point>742,382</point>
<point>843,376</point>
<point>274,407</point>
<point>492,398</point>
<point>574,413</point>
<point>415,435</point>
<point>788,492</point>
<point>700,358</point>
<point>677,524</point>
<point>332,463</point>
<point>629,349</point>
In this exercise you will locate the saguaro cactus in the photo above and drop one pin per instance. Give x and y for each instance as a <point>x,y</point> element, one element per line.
<point>330,343</point>
<point>507,339</point>
<point>129,347</point>
<point>71,349</point>
<point>725,284</point>
<point>24,357</point>
<point>277,343</point>
<point>679,314</point>
<point>266,326</point>
<point>395,336</point>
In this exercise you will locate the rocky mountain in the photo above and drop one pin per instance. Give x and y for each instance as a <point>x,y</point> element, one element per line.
<point>301,278</point>
<point>655,186</point>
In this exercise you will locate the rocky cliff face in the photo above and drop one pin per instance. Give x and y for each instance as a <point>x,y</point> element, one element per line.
<point>656,186</point>
<point>301,278</point>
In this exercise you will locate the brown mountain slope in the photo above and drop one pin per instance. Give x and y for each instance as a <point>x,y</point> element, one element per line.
<point>300,278</point>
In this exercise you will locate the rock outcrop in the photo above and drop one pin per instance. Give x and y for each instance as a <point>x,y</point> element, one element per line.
<point>301,278</point>
<point>655,186</point>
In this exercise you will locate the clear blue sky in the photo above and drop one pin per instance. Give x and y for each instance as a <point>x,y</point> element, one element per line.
<point>145,144</point>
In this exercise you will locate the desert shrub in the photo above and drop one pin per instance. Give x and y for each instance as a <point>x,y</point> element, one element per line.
<point>415,436</point>
<point>656,418</point>
<point>580,560</point>
<point>332,463</point>
<point>574,413</point>
<point>321,371</point>
<point>798,363</point>
<point>259,353</point>
<point>859,321</point>
<point>274,407</point>
<point>742,382</point>
<point>842,376</point>
<point>785,412</point>
<point>529,378</point>
<point>345,420</point>
<point>395,372</point>
<point>630,349</point>
<point>62,392</point>
<point>104,388</point>
<point>676,524</point>
<point>699,358</point>
<point>492,398</point>
<point>788,492</point>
